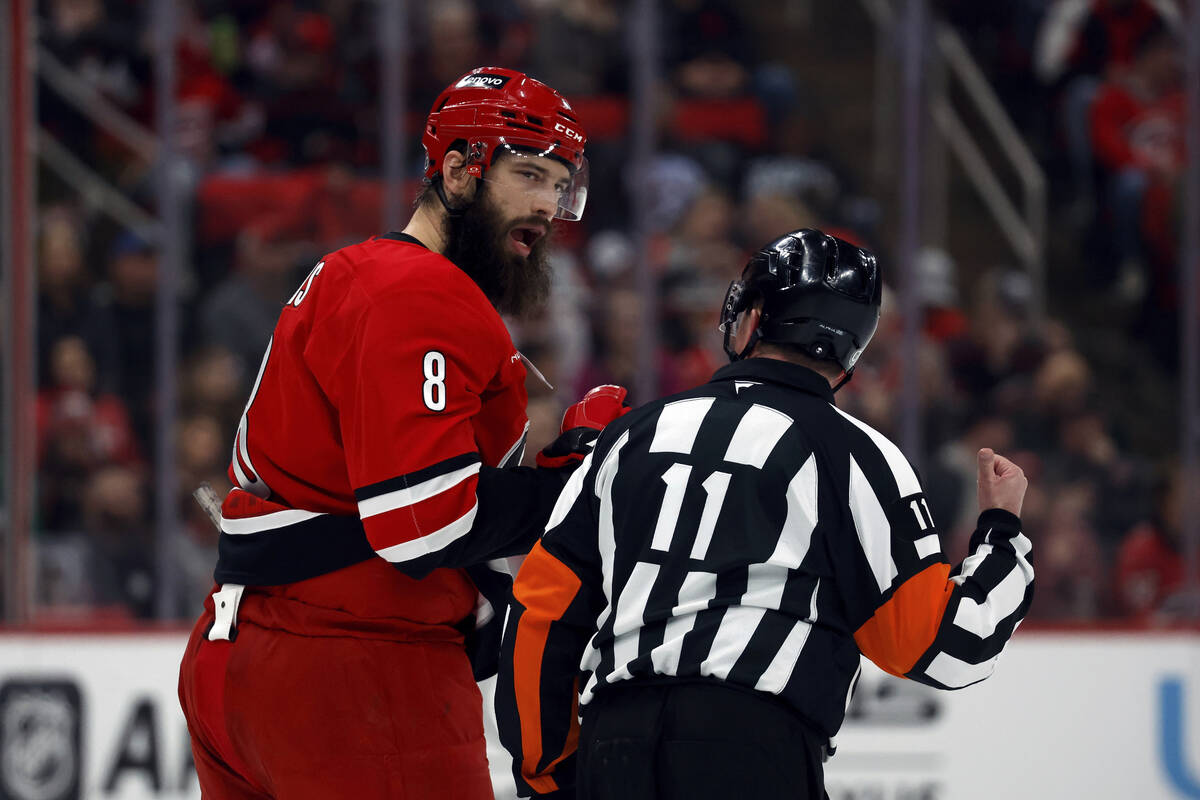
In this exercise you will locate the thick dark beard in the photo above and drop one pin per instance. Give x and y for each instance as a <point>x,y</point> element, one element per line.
<point>477,243</point>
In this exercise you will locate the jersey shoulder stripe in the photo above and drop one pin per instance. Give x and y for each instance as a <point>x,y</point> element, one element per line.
<point>901,470</point>
<point>421,476</point>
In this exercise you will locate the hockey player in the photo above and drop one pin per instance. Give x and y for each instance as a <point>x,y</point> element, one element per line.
<point>712,573</point>
<point>374,480</point>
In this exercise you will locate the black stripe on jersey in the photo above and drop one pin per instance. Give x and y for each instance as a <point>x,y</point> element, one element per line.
<point>966,646</point>
<point>798,592</point>
<point>873,464</point>
<point>414,478</point>
<point>293,553</point>
<point>765,642</point>
<point>697,644</point>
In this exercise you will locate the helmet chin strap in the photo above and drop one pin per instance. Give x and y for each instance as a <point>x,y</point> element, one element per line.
<point>755,336</point>
<point>451,211</point>
<point>846,376</point>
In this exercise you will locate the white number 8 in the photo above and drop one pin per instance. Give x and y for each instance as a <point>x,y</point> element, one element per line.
<point>433,392</point>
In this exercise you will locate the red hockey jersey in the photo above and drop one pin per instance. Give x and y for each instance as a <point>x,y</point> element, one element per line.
<point>389,383</point>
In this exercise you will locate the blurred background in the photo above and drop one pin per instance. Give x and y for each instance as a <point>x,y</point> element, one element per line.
<point>1026,172</point>
<point>1019,168</point>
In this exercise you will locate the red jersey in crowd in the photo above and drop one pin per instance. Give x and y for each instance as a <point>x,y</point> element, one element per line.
<point>1149,570</point>
<point>1130,131</point>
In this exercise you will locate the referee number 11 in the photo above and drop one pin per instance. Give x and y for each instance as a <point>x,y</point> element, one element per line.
<point>715,486</point>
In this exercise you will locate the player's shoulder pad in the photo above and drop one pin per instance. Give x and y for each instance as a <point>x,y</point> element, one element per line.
<point>415,281</point>
<point>389,265</point>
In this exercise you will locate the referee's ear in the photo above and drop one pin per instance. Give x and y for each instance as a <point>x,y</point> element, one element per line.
<point>747,325</point>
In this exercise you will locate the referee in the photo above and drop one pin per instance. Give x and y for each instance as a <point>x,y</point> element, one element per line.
<point>714,569</point>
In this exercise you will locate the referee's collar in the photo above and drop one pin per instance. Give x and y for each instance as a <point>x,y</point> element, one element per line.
<point>773,370</point>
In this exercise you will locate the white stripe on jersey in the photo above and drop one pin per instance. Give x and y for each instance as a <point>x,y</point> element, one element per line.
<point>519,444</point>
<point>431,543</point>
<point>737,626</point>
<point>411,495</point>
<point>266,522</point>
<point>665,656</point>
<point>630,617</point>
<point>972,562</point>
<point>678,423</point>
<point>981,619</point>
<point>776,676</point>
<point>764,586</point>
<point>956,673</point>
<point>759,430</point>
<point>570,493</point>
<point>796,536</point>
<point>874,531</point>
<point>927,546</point>
<point>255,486</point>
<point>902,471</point>
<point>608,536</point>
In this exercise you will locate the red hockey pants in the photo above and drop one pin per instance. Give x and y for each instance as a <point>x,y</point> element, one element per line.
<point>278,715</point>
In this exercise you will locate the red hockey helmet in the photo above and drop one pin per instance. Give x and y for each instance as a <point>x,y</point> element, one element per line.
<point>496,110</point>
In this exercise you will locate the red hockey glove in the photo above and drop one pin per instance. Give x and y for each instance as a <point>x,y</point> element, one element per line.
<point>581,424</point>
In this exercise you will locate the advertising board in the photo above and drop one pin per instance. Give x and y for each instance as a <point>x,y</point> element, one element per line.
<point>1065,716</point>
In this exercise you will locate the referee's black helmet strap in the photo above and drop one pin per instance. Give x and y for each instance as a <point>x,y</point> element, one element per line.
<point>819,293</point>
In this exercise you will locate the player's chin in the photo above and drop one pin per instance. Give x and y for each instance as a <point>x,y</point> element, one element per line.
<point>527,282</point>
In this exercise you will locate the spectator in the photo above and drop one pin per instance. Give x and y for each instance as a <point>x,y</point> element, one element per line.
<point>79,431</point>
<point>710,53</point>
<point>129,299</point>
<point>65,303</point>
<point>213,383</point>
<point>240,313</point>
<point>453,46</point>
<point>1137,135</point>
<point>120,541</point>
<point>1081,44</point>
<point>309,98</point>
<point>1075,582</point>
<point>582,43</point>
<point>1096,37</point>
<point>1150,567</point>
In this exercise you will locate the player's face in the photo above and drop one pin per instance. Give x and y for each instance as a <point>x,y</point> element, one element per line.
<point>501,239</point>
<point>525,191</point>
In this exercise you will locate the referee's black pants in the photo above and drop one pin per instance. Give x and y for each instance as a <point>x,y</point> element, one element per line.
<point>695,741</point>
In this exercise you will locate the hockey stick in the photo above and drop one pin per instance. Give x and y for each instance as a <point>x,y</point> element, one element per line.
<point>210,502</point>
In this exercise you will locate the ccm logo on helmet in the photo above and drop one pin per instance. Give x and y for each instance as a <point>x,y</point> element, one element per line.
<point>570,134</point>
<point>483,81</point>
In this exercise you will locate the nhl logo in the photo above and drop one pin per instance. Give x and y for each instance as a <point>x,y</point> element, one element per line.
<point>39,740</point>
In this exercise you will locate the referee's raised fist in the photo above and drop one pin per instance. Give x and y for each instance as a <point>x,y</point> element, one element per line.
<point>1002,483</point>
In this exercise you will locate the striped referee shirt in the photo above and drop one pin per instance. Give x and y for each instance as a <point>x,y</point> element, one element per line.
<point>746,531</point>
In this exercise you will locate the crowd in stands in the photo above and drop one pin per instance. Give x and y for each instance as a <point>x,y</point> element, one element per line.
<point>278,124</point>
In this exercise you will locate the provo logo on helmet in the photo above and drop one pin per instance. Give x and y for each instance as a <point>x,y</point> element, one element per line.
<point>483,81</point>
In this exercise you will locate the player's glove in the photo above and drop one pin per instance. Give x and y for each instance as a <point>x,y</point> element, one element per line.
<point>581,424</point>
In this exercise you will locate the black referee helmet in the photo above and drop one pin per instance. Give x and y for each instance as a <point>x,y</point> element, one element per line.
<point>819,293</point>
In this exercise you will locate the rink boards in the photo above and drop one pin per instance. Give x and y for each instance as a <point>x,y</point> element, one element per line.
<point>1067,715</point>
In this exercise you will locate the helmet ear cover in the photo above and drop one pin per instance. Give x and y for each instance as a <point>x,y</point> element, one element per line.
<point>739,297</point>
